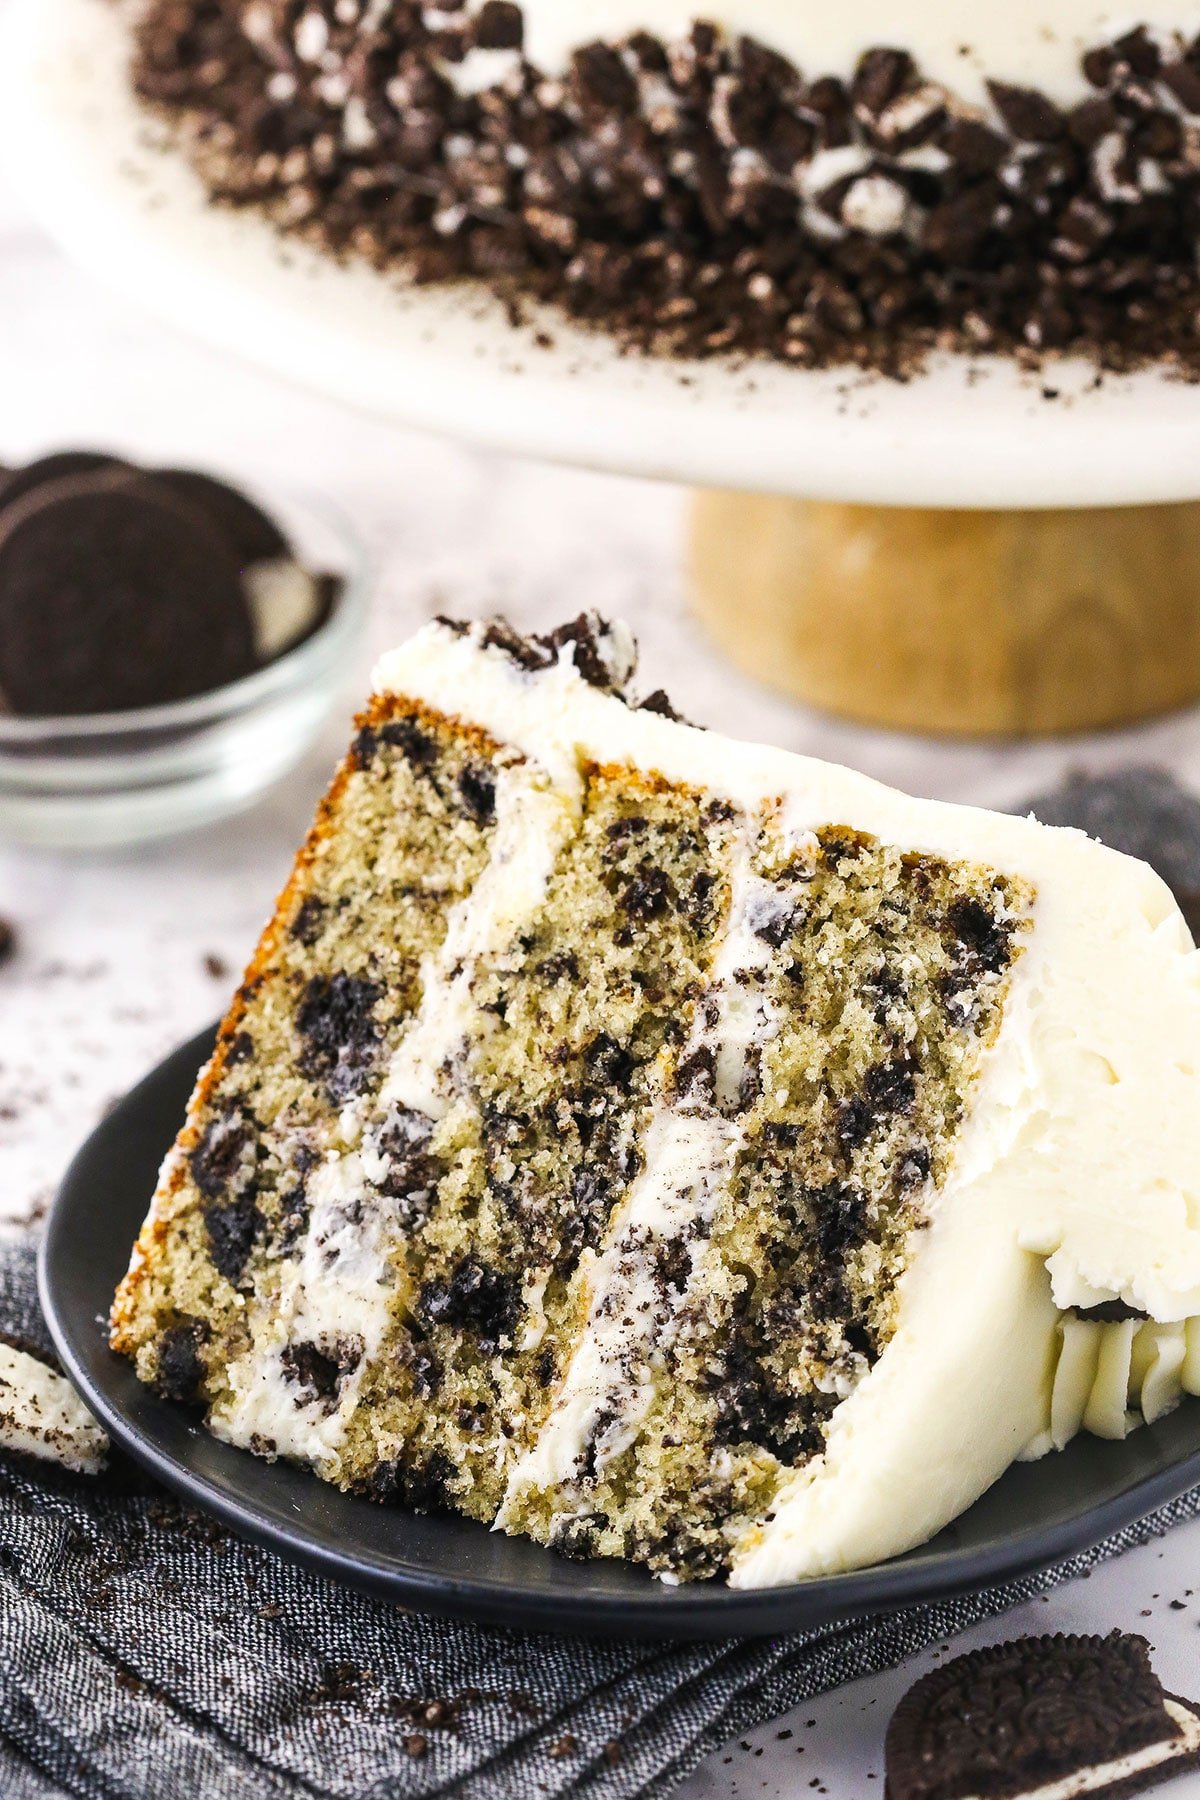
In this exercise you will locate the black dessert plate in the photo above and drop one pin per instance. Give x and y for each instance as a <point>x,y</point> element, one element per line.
<point>1039,1513</point>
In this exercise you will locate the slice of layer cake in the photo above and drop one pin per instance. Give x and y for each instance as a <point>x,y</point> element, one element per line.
<point>677,1149</point>
<point>1049,1718</point>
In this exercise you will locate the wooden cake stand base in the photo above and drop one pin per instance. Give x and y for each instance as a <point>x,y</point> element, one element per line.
<point>964,622</point>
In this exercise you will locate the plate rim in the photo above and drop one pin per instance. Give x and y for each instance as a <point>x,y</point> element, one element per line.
<point>967,432</point>
<point>695,1611</point>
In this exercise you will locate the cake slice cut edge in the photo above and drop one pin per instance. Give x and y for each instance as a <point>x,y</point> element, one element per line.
<point>673,1148</point>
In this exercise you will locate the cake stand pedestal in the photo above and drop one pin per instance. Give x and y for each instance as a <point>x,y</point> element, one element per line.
<point>969,622</point>
<point>976,550</point>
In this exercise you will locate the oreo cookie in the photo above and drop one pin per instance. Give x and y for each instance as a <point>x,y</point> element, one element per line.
<point>58,466</point>
<point>1077,1715</point>
<point>252,536</point>
<point>115,594</point>
<point>123,587</point>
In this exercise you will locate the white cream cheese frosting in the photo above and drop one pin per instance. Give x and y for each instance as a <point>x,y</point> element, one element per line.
<point>1031,43</point>
<point>1077,1175</point>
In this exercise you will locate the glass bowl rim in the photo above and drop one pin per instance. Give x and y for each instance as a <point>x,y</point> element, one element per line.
<point>289,670</point>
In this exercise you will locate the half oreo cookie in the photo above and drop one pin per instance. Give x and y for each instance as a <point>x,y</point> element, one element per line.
<point>57,466</point>
<point>1047,1718</point>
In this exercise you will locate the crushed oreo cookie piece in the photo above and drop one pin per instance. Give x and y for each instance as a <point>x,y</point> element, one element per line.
<point>1110,1312</point>
<point>1087,1714</point>
<point>475,1298</point>
<point>316,1374</point>
<point>477,787</point>
<point>669,192</point>
<point>232,1227</point>
<point>603,653</point>
<point>179,1375</point>
<point>8,940</point>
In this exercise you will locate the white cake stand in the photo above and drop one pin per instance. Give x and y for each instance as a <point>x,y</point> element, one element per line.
<point>908,618</point>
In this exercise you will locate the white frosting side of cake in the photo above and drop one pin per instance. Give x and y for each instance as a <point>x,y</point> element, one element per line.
<point>957,44</point>
<point>1110,1377</point>
<point>42,1415</point>
<point>1077,1175</point>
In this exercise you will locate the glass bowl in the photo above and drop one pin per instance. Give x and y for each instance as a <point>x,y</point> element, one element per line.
<point>120,778</point>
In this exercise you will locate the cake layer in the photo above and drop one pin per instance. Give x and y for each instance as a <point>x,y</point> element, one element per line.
<point>677,1149</point>
<point>823,185</point>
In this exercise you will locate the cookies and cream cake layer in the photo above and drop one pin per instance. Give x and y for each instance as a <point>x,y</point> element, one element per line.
<point>822,185</point>
<point>673,1148</point>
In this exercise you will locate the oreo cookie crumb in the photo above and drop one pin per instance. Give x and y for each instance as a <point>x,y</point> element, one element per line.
<point>180,1372</point>
<point>477,1299</point>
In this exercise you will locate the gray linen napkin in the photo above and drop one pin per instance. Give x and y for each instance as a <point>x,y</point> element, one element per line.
<point>145,1653</point>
